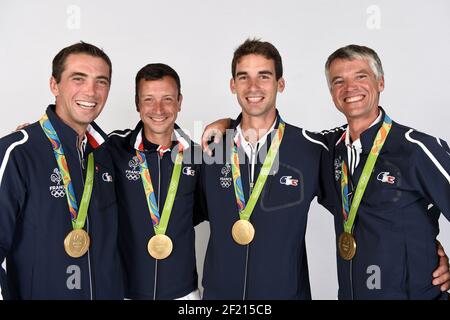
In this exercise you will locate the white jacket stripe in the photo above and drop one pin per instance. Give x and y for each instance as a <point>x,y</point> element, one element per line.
<point>429,154</point>
<point>8,152</point>
<point>313,141</point>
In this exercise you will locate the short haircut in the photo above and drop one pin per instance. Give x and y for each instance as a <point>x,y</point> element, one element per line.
<point>256,46</point>
<point>59,60</point>
<point>156,71</point>
<point>352,52</point>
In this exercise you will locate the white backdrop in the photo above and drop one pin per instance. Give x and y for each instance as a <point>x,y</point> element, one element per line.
<point>197,38</point>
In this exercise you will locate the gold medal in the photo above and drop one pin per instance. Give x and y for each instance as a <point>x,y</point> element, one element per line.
<point>77,243</point>
<point>243,232</point>
<point>347,246</point>
<point>160,246</point>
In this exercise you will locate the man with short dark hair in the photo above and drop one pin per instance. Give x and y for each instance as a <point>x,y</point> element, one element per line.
<point>58,215</point>
<point>157,191</point>
<point>259,190</point>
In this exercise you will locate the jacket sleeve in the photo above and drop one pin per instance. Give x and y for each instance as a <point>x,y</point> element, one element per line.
<point>12,195</point>
<point>200,208</point>
<point>326,193</point>
<point>431,170</point>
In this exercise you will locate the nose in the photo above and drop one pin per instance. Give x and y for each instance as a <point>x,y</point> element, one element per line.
<point>158,107</point>
<point>253,84</point>
<point>89,88</point>
<point>350,85</point>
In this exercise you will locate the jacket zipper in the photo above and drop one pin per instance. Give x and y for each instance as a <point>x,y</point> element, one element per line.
<point>81,160</point>
<point>351,272</point>
<point>251,173</point>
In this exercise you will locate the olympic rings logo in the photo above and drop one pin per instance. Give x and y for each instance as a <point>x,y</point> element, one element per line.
<point>132,176</point>
<point>58,193</point>
<point>225,182</point>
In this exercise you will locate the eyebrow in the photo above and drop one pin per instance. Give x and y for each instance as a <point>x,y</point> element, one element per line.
<point>334,78</point>
<point>241,73</point>
<point>81,74</point>
<point>78,74</point>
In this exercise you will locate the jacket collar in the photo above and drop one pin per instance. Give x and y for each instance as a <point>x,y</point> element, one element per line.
<point>367,136</point>
<point>237,131</point>
<point>95,136</point>
<point>139,142</point>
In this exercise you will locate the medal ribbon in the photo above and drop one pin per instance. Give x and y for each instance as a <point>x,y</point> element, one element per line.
<point>245,211</point>
<point>160,223</point>
<point>349,218</point>
<point>78,217</point>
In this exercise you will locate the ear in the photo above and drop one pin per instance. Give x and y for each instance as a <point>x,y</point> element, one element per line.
<point>281,84</point>
<point>232,86</point>
<point>381,84</point>
<point>54,86</point>
<point>136,102</point>
<point>180,99</point>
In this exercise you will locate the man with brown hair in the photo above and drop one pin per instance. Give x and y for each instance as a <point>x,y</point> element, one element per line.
<point>258,194</point>
<point>58,215</point>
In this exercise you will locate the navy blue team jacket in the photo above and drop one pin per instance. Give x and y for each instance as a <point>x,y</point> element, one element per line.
<point>397,221</point>
<point>35,219</point>
<point>277,265</point>
<point>175,276</point>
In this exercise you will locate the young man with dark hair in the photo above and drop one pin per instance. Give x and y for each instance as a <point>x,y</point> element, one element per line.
<point>58,214</point>
<point>258,194</point>
<point>157,185</point>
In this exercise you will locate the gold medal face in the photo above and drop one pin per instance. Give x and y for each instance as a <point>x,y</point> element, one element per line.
<point>243,232</point>
<point>77,243</point>
<point>347,246</point>
<point>160,246</point>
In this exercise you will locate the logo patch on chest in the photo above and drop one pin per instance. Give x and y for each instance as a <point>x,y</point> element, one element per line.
<point>58,190</point>
<point>135,172</point>
<point>225,180</point>
<point>385,177</point>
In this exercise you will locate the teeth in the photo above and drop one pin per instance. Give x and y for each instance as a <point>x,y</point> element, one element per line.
<point>354,99</point>
<point>85,104</point>
<point>254,99</point>
<point>158,119</point>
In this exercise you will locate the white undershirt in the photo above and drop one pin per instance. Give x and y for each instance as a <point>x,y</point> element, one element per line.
<point>251,150</point>
<point>354,149</point>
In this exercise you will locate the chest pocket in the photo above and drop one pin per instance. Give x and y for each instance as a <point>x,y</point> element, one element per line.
<point>104,194</point>
<point>188,180</point>
<point>385,186</point>
<point>284,189</point>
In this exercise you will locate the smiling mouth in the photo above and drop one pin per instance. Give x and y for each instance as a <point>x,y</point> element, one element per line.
<point>255,99</point>
<point>86,104</point>
<point>159,119</point>
<point>354,99</point>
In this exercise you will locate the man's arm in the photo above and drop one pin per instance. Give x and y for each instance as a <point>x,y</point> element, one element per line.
<point>12,195</point>
<point>214,133</point>
<point>430,171</point>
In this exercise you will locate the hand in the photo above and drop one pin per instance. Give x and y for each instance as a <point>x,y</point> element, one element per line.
<point>441,276</point>
<point>22,126</point>
<point>214,130</point>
